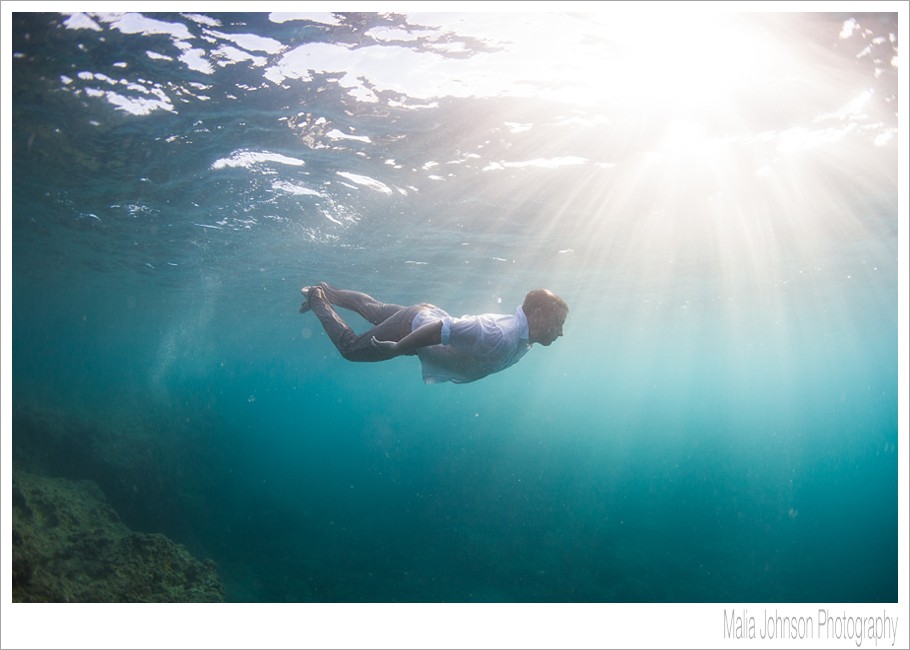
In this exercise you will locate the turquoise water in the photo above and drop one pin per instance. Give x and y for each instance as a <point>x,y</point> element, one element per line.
<point>719,422</point>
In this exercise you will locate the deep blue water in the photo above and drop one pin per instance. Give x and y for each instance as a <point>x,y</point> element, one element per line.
<point>719,422</point>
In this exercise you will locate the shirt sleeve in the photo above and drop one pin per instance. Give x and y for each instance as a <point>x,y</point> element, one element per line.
<point>432,314</point>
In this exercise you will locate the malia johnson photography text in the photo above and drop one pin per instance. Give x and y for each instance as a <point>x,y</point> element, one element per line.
<point>826,625</point>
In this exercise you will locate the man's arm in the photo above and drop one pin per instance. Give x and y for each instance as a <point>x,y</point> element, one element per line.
<point>424,336</point>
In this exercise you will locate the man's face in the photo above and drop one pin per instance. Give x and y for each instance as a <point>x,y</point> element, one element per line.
<point>549,327</point>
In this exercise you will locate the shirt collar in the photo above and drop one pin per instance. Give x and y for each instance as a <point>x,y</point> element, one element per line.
<point>523,332</point>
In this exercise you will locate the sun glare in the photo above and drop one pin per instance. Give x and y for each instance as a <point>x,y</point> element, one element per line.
<point>695,61</point>
<point>741,125</point>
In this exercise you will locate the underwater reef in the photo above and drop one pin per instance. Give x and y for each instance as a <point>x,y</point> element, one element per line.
<point>69,545</point>
<point>98,502</point>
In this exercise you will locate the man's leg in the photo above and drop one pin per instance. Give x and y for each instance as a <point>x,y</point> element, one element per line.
<point>360,348</point>
<point>368,307</point>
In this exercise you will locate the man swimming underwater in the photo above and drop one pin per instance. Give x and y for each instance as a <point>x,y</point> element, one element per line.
<point>459,350</point>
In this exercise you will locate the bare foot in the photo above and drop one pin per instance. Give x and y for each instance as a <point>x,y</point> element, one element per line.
<point>305,305</point>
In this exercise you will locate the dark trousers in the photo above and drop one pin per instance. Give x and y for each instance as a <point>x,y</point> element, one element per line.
<point>391,322</point>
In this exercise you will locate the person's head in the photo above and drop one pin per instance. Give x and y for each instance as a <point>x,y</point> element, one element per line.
<point>546,312</point>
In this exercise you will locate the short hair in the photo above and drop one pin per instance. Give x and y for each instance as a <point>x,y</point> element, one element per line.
<point>543,300</point>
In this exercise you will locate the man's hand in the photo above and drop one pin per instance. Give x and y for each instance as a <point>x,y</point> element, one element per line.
<point>389,346</point>
<point>423,336</point>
